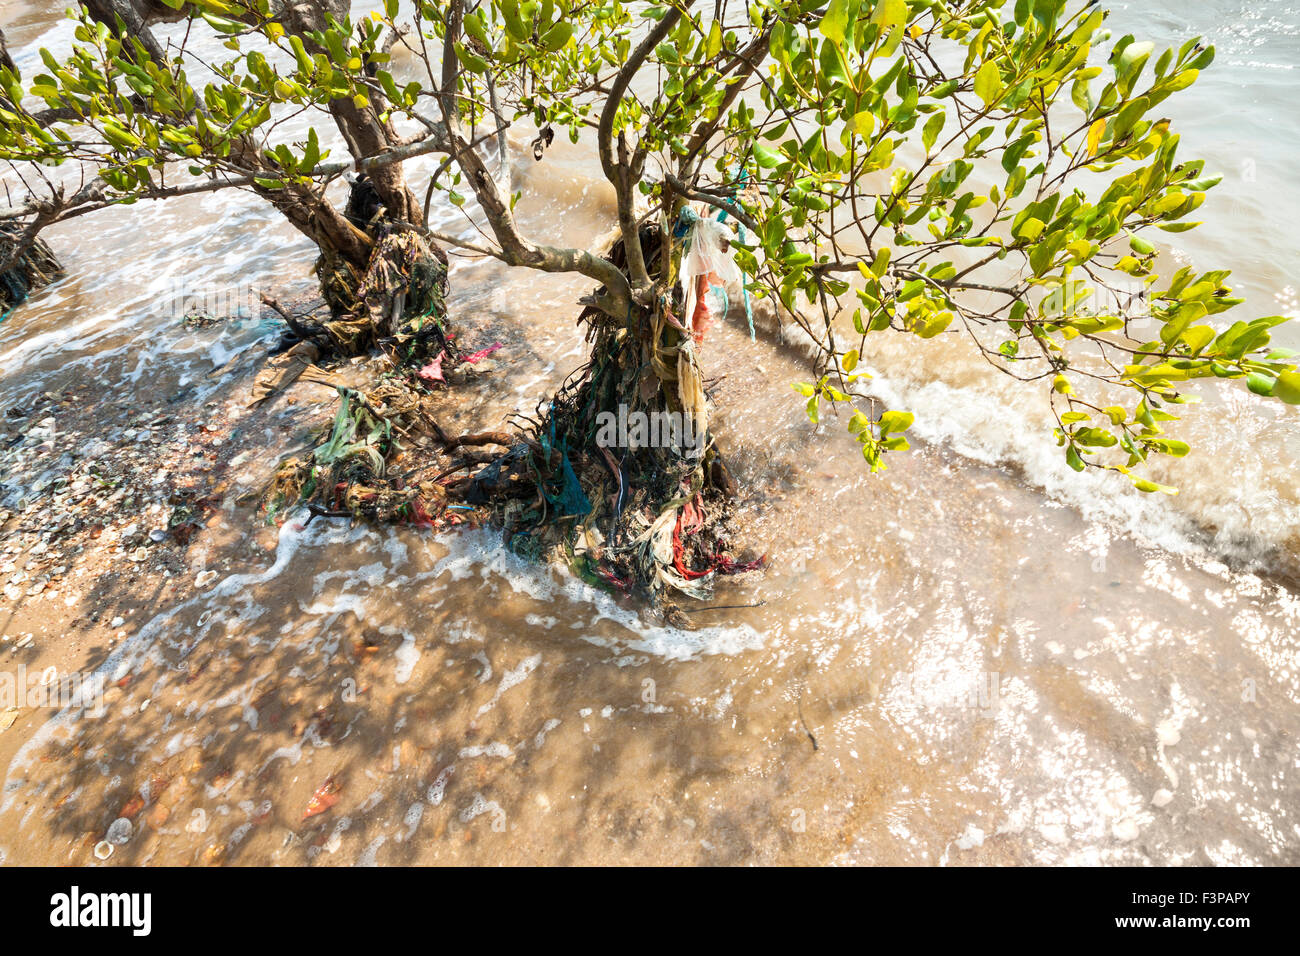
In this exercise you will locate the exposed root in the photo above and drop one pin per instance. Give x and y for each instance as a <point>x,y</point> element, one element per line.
<point>32,269</point>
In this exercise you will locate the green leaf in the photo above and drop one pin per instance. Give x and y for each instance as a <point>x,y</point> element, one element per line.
<point>896,422</point>
<point>1287,388</point>
<point>881,262</point>
<point>515,24</point>
<point>472,62</point>
<point>1134,54</point>
<point>1171,446</point>
<point>557,36</point>
<point>1198,337</point>
<point>1140,245</point>
<point>889,14</point>
<point>931,132</point>
<point>767,157</point>
<point>1142,484</point>
<point>835,23</point>
<point>713,44</point>
<point>988,83</point>
<point>1030,229</point>
<point>1259,383</point>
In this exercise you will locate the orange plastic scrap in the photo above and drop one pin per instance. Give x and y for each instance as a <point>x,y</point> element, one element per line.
<point>700,320</point>
<point>326,795</point>
<point>707,265</point>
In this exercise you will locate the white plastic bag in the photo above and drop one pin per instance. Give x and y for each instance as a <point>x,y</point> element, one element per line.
<point>708,257</point>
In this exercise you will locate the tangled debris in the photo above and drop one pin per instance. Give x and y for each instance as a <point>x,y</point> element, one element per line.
<point>378,460</point>
<point>399,303</point>
<point>30,265</point>
<point>643,517</point>
<point>633,513</point>
<point>384,457</point>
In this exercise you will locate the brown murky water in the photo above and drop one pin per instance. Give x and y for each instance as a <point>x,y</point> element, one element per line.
<point>951,664</point>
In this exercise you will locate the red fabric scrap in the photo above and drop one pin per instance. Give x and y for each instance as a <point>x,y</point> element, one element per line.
<point>433,371</point>
<point>721,563</point>
<point>482,353</point>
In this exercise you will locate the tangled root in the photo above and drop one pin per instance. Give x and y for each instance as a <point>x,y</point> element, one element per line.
<point>34,268</point>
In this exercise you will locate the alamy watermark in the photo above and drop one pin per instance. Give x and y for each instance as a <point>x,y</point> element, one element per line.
<point>633,429</point>
<point>982,695</point>
<point>49,688</point>
<point>133,911</point>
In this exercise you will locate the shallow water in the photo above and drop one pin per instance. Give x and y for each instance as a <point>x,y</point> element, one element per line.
<point>954,663</point>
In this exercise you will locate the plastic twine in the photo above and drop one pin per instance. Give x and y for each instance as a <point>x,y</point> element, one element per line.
<point>742,178</point>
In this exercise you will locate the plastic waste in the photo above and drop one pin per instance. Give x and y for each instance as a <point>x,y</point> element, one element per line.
<point>707,267</point>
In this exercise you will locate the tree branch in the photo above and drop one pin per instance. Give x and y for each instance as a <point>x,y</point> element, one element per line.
<point>92,198</point>
<point>619,171</point>
<point>515,249</point>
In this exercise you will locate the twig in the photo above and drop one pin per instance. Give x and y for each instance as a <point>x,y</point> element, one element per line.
<point>798,702</point>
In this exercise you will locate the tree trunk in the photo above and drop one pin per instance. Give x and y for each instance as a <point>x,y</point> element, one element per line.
<point>26,264</point>
<point>375,271</point>
<point>363,131</point>
<point>640,511</point>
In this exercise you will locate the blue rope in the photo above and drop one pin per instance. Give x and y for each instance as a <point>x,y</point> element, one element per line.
<point>570,499</point>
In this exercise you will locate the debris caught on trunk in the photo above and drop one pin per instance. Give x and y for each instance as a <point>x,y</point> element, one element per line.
<point>400,299</point>
<point>397,304</point>
<point>645,513</point>
<point>32,268</point>
<point>642,514</point>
